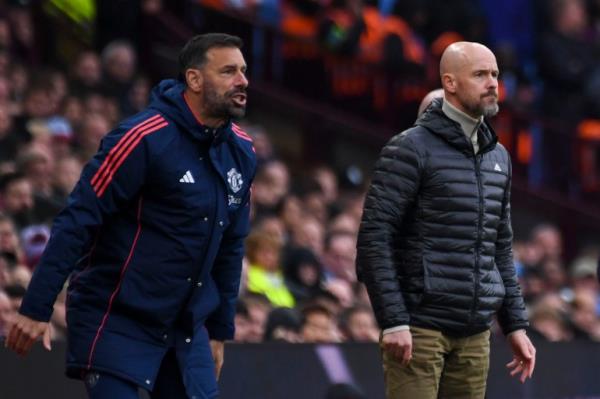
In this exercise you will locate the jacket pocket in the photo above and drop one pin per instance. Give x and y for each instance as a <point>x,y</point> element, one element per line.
<point>499,289</point>
<point>426,297</point>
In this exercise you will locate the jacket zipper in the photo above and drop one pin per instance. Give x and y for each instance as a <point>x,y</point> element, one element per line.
<point>477,161</point>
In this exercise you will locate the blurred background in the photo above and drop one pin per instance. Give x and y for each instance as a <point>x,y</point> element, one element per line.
<point>330,82</point>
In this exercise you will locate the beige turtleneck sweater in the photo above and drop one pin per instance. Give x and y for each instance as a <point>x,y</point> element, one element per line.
<point>469,124</point>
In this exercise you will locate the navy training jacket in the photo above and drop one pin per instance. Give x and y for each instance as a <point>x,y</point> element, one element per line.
<point>152,237</point>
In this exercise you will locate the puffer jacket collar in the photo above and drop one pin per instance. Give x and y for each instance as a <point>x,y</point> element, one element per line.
<point>434,120</point>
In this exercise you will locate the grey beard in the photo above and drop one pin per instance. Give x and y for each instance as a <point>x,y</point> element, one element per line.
<point>490,110</point>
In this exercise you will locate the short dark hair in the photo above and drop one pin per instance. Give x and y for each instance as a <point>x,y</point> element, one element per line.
<point>314,308</point>
<point>15,291</point>
<point>193,54</point>
<point>9,178</point>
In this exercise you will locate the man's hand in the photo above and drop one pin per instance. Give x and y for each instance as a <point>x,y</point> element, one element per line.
<point>523,355</point>
<point>218,349</point>
<point>399,345</point>
<point>25,331</point>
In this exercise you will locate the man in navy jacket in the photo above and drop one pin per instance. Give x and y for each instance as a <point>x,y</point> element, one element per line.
<point>152,239</point>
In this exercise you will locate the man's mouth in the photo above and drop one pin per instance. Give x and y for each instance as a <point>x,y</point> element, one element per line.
<point>239,99</point>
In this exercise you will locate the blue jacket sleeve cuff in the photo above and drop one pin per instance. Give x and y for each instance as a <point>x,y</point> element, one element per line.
<point>35,309</point>
<point>219,332</point>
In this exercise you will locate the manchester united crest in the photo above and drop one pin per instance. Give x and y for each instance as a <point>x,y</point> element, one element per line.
<point>234,178</point>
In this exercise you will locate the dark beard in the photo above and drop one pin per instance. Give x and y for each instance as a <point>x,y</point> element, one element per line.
<point>220,107</point>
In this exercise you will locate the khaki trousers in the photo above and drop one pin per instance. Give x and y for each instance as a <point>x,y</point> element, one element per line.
<point>441,367</point>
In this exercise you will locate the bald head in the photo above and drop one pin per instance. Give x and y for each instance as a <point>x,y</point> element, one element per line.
<point>469,75</point>
<point>429,97</point>
<point>461,54</point>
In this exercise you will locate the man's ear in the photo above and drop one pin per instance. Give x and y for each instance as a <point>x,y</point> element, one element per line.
<point>194,79</point>
<point>449,83</point>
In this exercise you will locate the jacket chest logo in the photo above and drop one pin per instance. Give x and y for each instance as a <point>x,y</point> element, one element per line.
<point>234,178</point>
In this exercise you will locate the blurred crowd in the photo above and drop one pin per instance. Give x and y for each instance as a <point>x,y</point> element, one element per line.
<point>299,282</point>
<point>51,122</point>
<point>374,57</point>
<point>299,275</point>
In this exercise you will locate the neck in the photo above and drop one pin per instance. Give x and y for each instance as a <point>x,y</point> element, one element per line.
<point>467,123</point>
<point>452,101</point>
<point>196,106</point>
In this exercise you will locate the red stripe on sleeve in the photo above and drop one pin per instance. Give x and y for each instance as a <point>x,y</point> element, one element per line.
<point>123,148</point>
<point>111,155</point>
<point>120,161</point>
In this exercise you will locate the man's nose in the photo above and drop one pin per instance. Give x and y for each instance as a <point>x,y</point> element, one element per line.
<point>242,80</point>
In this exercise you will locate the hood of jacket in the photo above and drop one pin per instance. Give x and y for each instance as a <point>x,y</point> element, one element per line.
<point>167,98</point>
<point>436,121</point>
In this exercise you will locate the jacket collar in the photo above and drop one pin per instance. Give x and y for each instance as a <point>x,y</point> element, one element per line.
<point>167,97</point>
<point>436,121</point>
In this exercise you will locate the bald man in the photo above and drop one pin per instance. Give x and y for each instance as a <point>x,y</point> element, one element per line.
<point>435,242</point>
<point>428,99</point>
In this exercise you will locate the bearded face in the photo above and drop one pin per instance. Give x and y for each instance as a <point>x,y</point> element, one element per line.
<point>224,104</point>
<point>485,104</point>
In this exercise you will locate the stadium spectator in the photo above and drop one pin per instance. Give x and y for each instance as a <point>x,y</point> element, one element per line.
<point>283,325</point>
<point>568,63</point>
<point>37,164</point>
<point>258,307</point>
<point>318,325</point>
<point>271,225</point>
<point>6,313</point>
<point>15,293</point>
<point>86,75</point>
<point>549,319</point>
<point>264,272</point>
<point>549,242</point>
<point>327,180</point>
<point>65,176</point>
<point>290,212</point>
<point>243,323</point>
<point>584,314</point>
<point>119,63</point>
<point>344,223</point>
<point>9,141</point>
<point>309,233</point>
<point>357,324</point>
<point>303,273</point>
<point>93,128</point>
<point>270,186</point>
<point>339,257</point>
<point>583,274</point>
<point>10,246</point>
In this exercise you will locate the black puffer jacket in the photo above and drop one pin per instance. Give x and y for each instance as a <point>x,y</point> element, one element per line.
<point>435,242</point>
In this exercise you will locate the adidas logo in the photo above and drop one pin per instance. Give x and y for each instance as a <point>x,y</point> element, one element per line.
<point>497,168</point>
<point>187,178</point>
